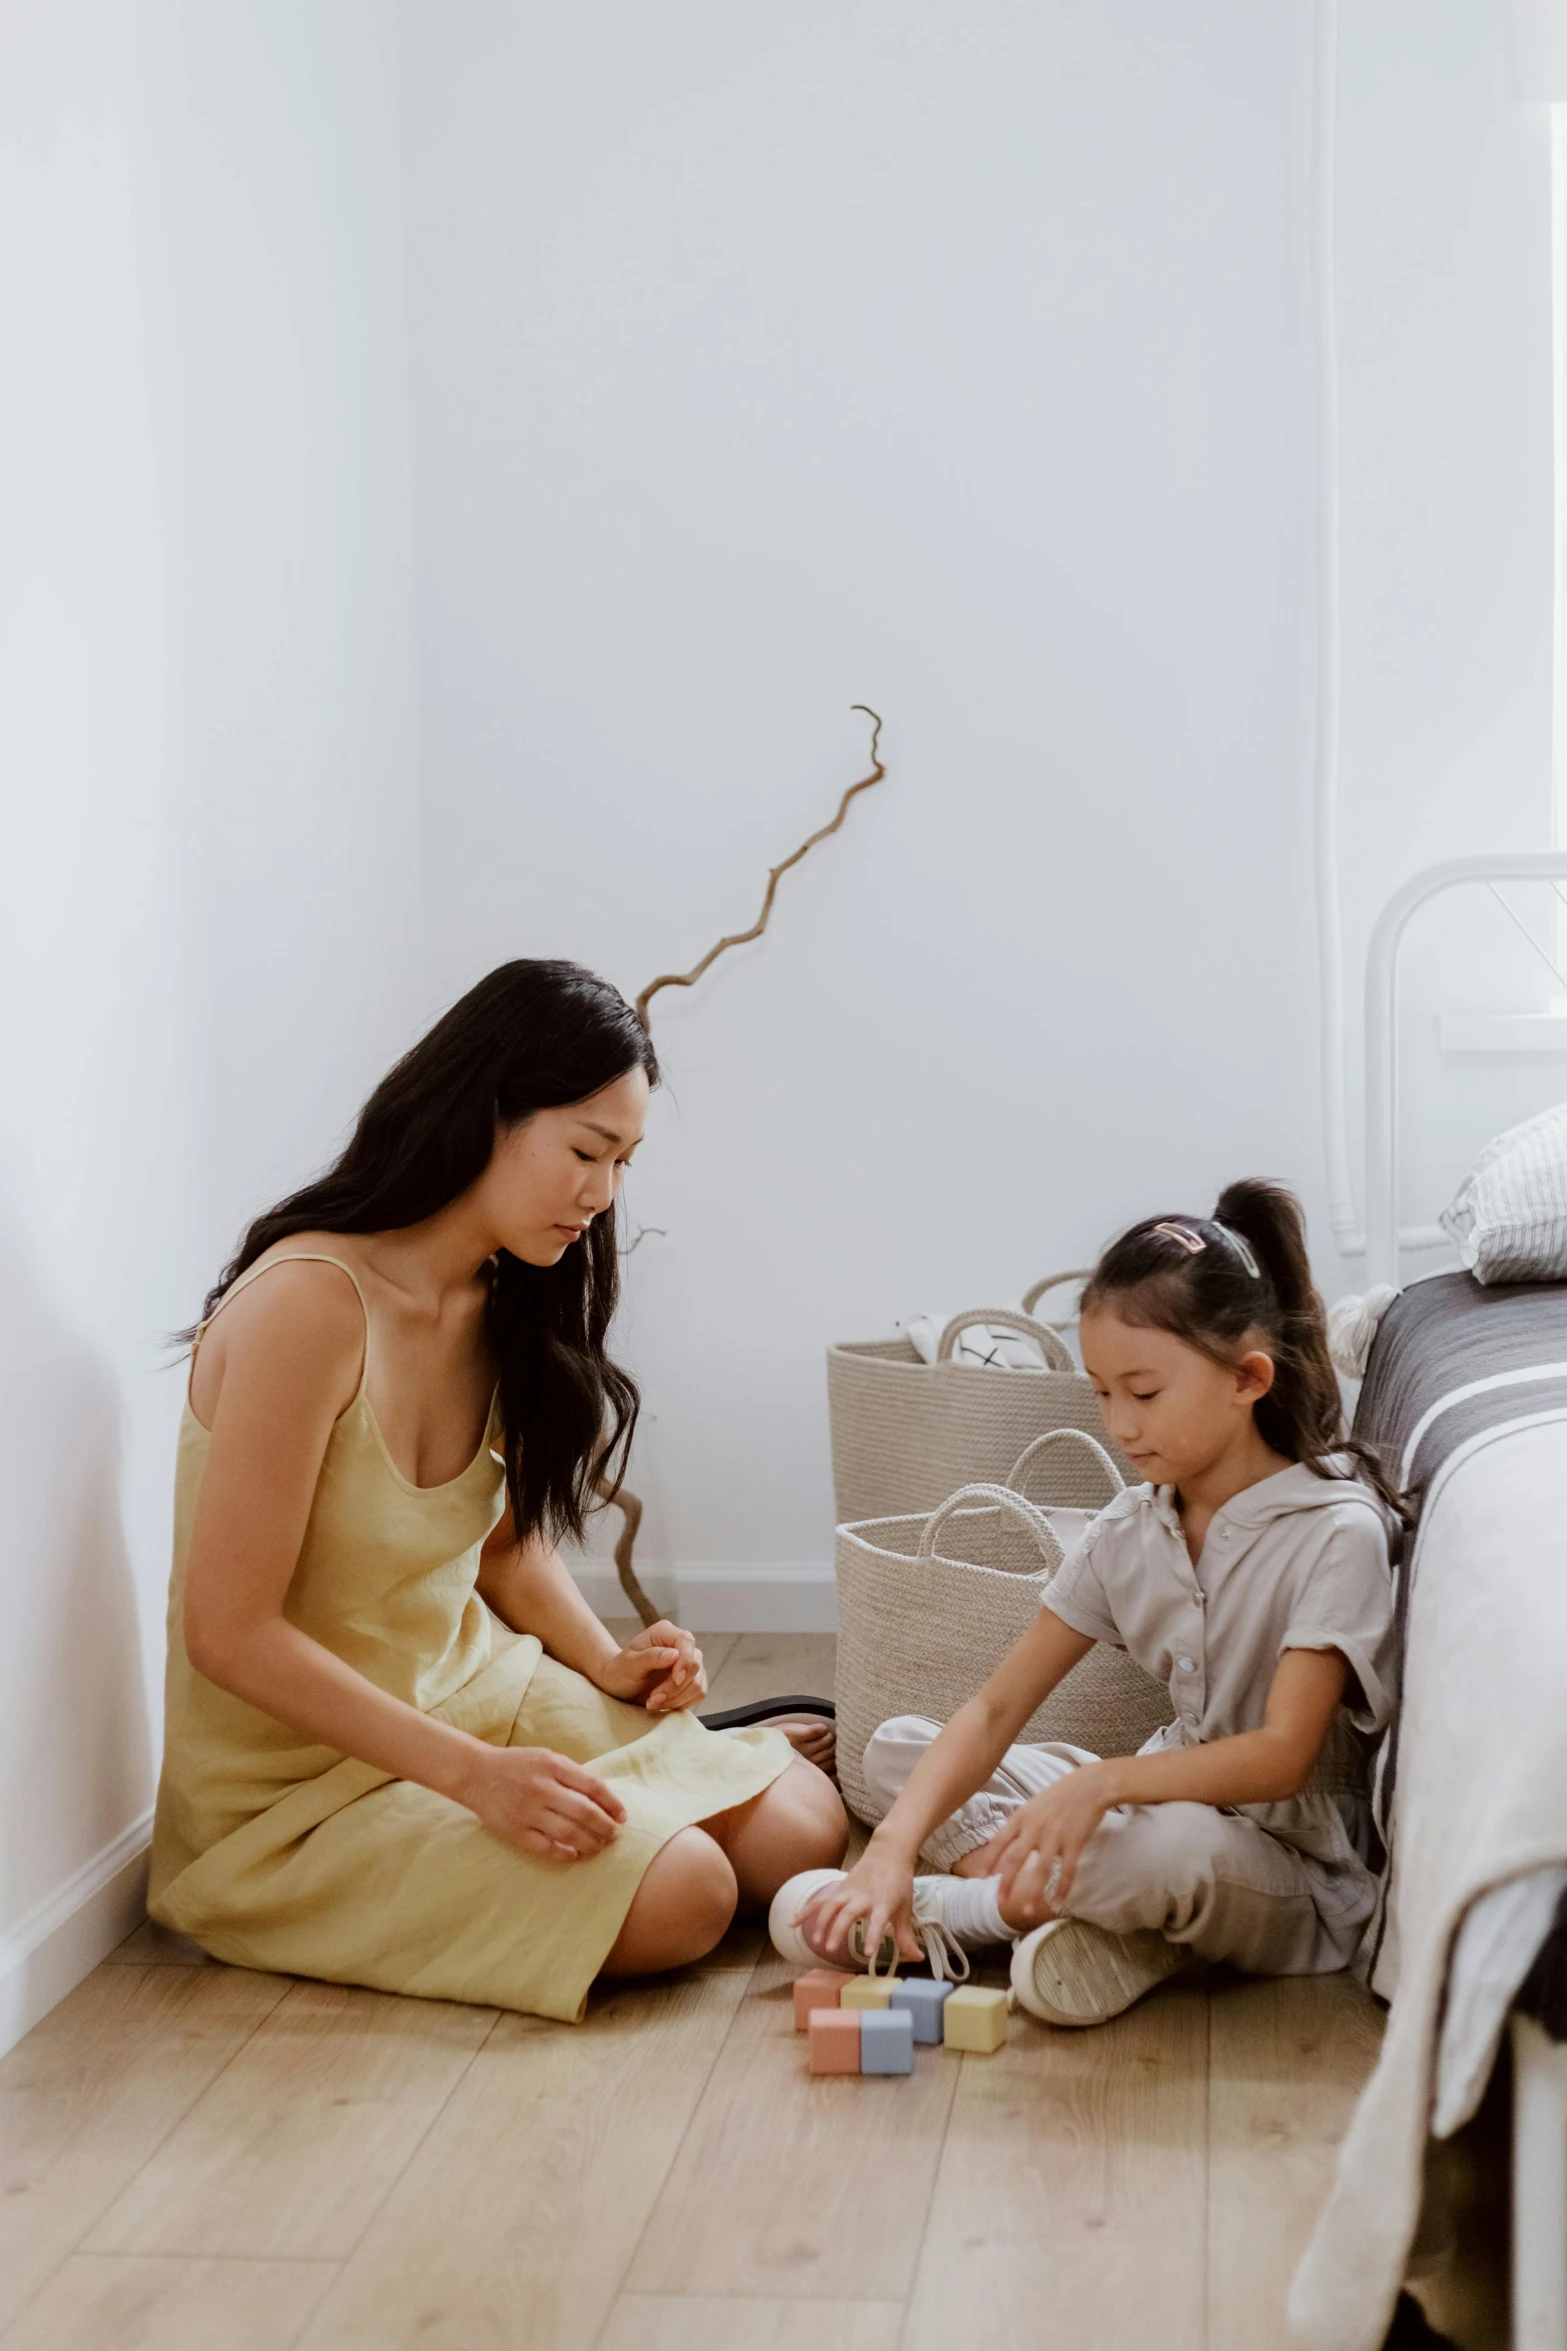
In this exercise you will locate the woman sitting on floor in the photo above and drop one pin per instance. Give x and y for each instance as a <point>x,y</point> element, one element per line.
<point>400,1749</point>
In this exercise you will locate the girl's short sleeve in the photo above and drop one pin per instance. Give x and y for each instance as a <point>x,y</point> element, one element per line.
<point>1346,1603</point>
<point>1078,1596</point>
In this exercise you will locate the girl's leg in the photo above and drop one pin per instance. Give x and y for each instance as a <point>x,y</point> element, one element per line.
<point>1216,1883</point>
<point>897,1747</point>
<point>795,1824</point>
<point>681,1909</point>
<point>1158,1883</point>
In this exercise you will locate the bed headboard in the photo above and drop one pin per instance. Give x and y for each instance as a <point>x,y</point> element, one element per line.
<point>1382,1226</point>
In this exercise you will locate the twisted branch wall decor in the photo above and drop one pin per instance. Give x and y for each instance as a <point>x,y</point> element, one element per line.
<point>688,979</point>
<point>630,1507</point>
<point>626,1502</point>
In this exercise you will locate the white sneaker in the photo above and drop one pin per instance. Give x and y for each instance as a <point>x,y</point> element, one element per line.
<point>952,1916</point>
<point>1071,1972</point>
<point>790,1941</point>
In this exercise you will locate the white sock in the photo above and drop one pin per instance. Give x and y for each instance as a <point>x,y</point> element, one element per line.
<point>968,1910</point>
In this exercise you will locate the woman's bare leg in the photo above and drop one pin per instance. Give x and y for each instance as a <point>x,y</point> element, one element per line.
<point>691,1887</point>
<point>680,1910</point>
<point>796,1823</point>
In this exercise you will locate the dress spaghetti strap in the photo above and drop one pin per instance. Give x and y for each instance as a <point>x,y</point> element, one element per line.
<point>294,1257</point>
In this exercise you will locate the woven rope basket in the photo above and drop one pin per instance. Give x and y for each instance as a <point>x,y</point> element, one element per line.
<point>906,1434</point>
<point>929,1604</point>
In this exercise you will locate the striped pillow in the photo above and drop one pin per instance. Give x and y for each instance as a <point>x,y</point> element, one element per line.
<point>1510,1216</point>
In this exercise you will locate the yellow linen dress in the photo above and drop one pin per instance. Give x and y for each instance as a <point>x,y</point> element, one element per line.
<point>273,1852</point>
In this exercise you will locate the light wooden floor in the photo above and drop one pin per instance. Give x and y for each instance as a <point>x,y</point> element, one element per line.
<point>195,2158</point>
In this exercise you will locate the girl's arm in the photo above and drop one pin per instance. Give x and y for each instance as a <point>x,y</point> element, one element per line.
<point>879,1889</point>
<point>1037,1853</point>
<point>529,1588</point>
<point>291,1357</point>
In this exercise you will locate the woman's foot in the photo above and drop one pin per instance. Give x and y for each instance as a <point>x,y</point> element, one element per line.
<point>1069,1972</point>
<point>952,1916</point>
<point>813,1738</point>
<point>808,1724</point>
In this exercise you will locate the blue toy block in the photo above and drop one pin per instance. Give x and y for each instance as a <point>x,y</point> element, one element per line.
<point>924,2001</point>
<point>886,2040</point>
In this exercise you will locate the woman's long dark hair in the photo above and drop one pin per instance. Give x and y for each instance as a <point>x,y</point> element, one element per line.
<point>1214,1280</point>
<point>532,1036</point>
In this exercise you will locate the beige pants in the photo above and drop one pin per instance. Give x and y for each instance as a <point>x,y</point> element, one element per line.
<point>1215,1881</point>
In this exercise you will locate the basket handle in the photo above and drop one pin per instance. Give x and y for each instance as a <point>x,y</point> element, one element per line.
<point>1053,1281</point>
<point>1028,1515</point>
<point>1031,1453</point>
<point>1055,1353</point>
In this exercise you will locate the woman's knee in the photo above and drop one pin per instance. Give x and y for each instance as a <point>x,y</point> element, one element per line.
<point>682,1908</point>
<point>796,1823</point>
<point>822,1824</point>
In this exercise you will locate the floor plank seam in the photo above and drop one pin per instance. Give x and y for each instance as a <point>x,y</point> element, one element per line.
<point>719,2047</point>
<point>154,1966</point>
<point>121,2253</point>
<point>783,2301</point>
<point>1206,2333</point>
<point>907,2297</point>
<point>372,2217</point>
<point>114,2194</point>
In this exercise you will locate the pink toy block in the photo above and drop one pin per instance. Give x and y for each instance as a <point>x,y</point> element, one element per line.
<point>835,2040</point>
<point>819,1989</point>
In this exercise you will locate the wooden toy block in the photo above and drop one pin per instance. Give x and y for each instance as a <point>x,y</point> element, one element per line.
<point>886,2041</point>
<point>924,2002</point>
<point>867,1991</point>
<point>819,1989</point>
<point>835,2040</point>
<point>974,2019</point>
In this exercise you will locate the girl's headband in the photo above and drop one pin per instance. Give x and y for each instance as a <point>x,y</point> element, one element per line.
<point>1194,1243</point>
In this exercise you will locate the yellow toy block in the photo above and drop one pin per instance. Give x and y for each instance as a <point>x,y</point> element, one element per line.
<point>974,2019</point>
<point>867,1991</point>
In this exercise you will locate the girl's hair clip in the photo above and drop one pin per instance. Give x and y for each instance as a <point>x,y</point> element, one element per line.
<point>1241,1248</point>
<point>1192,1243</point>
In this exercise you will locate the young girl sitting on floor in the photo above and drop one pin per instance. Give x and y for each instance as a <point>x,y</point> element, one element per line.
<point>1251,1574</point>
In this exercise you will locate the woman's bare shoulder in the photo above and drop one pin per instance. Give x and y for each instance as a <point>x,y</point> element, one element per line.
<point>302,1321</point>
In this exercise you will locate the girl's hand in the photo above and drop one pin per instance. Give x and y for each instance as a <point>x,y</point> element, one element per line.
<point>542,1803</point>
<point>880,1890</point>
<point>1036,1854</point>
<point>661,1669</point>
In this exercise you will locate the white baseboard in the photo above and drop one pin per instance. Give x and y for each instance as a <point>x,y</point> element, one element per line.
<point>63,1937</point>
<point>788,1597</point>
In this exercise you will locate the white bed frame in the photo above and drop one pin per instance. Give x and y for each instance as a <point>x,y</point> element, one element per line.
<point>1539,2199</point>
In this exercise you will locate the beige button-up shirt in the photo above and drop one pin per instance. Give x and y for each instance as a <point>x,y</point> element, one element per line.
<point>1294,1562</point>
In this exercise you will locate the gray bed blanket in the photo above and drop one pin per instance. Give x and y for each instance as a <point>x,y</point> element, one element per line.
<point>1466,1394</point>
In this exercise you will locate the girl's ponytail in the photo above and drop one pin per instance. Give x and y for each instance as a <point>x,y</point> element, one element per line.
<point>1301,1416</point>
<point>1212,1280</point>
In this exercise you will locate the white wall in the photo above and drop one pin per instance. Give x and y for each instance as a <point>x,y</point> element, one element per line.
<point>208,901</point>
<point>961,364</point>
<point>1444,342</point>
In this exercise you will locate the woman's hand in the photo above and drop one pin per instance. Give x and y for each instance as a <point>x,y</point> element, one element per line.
<point>542,1803</point>
<point>661,1669</point>
<point>1037,1853</point>
<point>879,1889</point>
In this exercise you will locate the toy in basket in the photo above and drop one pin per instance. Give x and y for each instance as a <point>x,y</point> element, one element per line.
<point>907,1433</point>
<point>929,1604</point>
